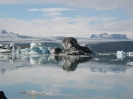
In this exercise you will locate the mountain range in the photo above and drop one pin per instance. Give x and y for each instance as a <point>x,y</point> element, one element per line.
<point>11,36</point>
<point>109,36</point>
<point>5,35</point>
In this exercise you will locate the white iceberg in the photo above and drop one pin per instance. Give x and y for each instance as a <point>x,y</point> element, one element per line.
<point>120,55</point>
<point>35,50</point>
<point>39,48</point>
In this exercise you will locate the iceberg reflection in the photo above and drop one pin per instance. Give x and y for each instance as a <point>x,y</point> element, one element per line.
<point>71,62</point>
<point>66,62</point>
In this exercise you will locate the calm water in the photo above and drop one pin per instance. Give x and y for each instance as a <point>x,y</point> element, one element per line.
<point>100,77</point>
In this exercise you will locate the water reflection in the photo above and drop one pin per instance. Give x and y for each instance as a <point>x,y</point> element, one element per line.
<point>71,62</point>
<point>100,77</point>
<point>112,59</point>
<point>111,63</point>
<point>120,57</point>
<point>45,59</point>
<point>68,63</point>
<point>105,69</point>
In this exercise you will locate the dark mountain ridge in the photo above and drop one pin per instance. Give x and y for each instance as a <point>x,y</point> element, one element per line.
<point>126,46</point>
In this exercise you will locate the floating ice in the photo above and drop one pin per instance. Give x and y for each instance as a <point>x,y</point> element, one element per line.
<point>44,49</point>
<point>39,48</point>
<point>35,50</point>
<point>120,53</point>
<point>5,48</point>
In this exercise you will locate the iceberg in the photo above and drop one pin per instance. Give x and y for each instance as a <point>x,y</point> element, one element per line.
<point>120,55</point>
<point>44,49</point>
<point>35,50</point>
<point>6,48</point>
<point>39,48</point>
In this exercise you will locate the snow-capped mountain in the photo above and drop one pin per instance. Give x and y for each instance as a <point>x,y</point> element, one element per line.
<point>5,36</point>
<point>4,32</point>
<point>109,36</point>
<point>11,36</point>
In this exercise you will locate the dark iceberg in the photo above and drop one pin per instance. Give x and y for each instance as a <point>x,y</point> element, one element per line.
<point>71,47</point>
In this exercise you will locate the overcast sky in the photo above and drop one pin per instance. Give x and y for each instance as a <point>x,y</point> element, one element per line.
<point>67,17</point>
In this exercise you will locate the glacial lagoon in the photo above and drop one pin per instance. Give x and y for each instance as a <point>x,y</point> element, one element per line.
<point>104,76</point>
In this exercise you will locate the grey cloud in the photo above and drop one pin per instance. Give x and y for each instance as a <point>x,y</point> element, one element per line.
<point>95,4</point>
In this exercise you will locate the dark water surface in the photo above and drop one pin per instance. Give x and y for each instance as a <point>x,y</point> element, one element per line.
<point>53,77</point>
